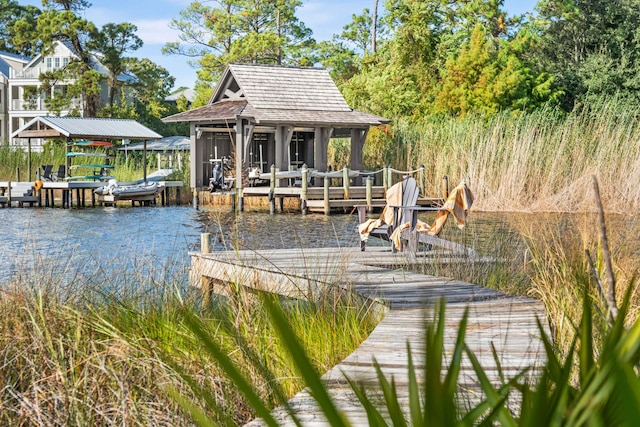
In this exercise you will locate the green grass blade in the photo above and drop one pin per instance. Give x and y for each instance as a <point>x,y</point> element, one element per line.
<point>374,416</point>
<point>496,401</point>
<point>227,365</point>
<point>390,394</point>
<point>303,364</point>
<point>415,407</point>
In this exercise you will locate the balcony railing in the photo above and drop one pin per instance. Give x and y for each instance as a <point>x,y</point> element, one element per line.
<point>30,73</point>
<point>37,105</point>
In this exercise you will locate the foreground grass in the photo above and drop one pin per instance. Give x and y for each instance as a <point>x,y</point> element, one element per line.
<point>77,362</point>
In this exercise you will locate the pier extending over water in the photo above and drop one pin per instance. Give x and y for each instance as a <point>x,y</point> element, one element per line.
<point>496,320</point>
<point>71,194</point>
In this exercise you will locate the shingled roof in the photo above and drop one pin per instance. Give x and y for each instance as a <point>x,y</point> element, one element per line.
<point>271,94</point>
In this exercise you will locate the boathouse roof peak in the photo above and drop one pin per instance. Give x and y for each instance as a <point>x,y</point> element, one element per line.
<point>278,95</point>
<point>280,87</point>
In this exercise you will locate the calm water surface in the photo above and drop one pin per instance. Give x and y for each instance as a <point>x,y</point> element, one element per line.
<point>108,245</point>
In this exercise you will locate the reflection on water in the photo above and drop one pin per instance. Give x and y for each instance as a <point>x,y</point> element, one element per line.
<point>111,245</point>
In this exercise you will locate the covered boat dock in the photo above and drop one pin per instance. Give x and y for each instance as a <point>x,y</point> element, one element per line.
<point>98,132</point>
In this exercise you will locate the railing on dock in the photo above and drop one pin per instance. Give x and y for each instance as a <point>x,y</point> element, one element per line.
<point>325,191</point>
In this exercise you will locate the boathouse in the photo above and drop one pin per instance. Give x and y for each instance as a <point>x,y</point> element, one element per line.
<point>263,115</point>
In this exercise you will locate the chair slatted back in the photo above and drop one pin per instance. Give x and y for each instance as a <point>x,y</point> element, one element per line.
<point>410,193</point>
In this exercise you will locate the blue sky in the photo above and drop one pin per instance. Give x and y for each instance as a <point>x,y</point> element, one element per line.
<point>324,17</point>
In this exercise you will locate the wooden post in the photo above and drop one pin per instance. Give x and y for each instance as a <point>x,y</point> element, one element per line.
<point>421,180</point>
<point>369,192</point>
<point>445,187</point>
<point>327,210</point>
<point>195,199</point>
<point>390,177</point>
<point>385,184</point>
<point>345,182</point>
<point>205,243</point>
<point>303,192</point>
<point>272,190</point>
<point>9,194</point>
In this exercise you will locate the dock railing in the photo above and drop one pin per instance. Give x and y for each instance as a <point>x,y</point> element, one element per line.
<point>337,189</point>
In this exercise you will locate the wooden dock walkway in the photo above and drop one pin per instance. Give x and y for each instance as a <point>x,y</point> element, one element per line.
<point>508,323</point>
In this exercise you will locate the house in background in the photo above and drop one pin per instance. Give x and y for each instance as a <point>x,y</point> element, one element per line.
<point>25,100</point>
<point>266,114</point>
<point>8,63</point>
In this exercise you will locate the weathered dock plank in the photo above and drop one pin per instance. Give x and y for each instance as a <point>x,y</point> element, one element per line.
<point>497,321</point>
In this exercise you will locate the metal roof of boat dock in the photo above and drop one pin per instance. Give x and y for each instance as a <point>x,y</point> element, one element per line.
<point>81,127</point>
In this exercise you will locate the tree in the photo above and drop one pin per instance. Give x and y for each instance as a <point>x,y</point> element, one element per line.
<point>483,78</point>
<point>112,42</point>
<point>591,47</point>
<point>11,13</point>
<point>258,31</point>
<point>59,21</point>
<point>343,55</point>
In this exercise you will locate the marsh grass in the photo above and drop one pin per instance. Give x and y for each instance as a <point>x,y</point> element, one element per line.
<point>590,375</point>
<point>79,351</point>
<point>537,162</point>
<point>127,167</point>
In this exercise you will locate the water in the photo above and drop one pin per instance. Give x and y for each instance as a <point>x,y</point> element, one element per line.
<point>108,245</point>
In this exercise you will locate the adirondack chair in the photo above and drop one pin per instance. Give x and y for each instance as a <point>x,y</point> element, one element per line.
<point>400,225</point>
<point>60,174</point>
<point>414,231</point>
<point>400,195</point>
<point>46,172</point>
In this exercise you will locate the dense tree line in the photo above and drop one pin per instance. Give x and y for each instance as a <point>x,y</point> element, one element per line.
<point>403,58</point>
<point>412,58</point>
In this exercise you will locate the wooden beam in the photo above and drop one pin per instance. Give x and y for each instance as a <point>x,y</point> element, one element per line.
<point>43,133</point>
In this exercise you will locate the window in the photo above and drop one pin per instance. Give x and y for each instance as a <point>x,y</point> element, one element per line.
<point>57,63</point>
<point>49,64</point>
<point>65,61</point>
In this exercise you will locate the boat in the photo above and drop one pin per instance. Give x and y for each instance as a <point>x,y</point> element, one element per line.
<point>138,191</point>
<point>92,166</point>
<point>82,154</point>
<point>86,143</point>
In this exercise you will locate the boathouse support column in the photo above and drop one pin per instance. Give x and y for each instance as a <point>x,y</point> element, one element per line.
<point>320,145</point>
<point>193,160</point>
<point>239,162</point>
<point>358,136</point>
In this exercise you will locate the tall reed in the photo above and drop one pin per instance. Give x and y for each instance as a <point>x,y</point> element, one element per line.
<point>542,161</point>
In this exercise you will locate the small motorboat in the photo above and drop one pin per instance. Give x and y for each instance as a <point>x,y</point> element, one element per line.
<point>129,191</point>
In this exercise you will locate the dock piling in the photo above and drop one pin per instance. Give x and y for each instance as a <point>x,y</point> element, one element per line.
<point>205,243</point>
<point>272,190</point>
<point>327,209</point>
<point>369,193</point>
<point>345,182</point>
<point>303,193</point>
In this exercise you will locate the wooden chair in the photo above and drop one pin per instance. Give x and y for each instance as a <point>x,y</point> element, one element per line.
<point>46,172</point>
<point>400,195</point>
<point>400,225</point>
<point>60,174</point>
<point>415,232</point>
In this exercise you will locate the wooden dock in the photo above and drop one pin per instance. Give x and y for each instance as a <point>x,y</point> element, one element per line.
<point>71,193</point>
<point>508,323</point>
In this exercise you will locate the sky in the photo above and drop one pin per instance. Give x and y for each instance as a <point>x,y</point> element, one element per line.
<point>324,17</point>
